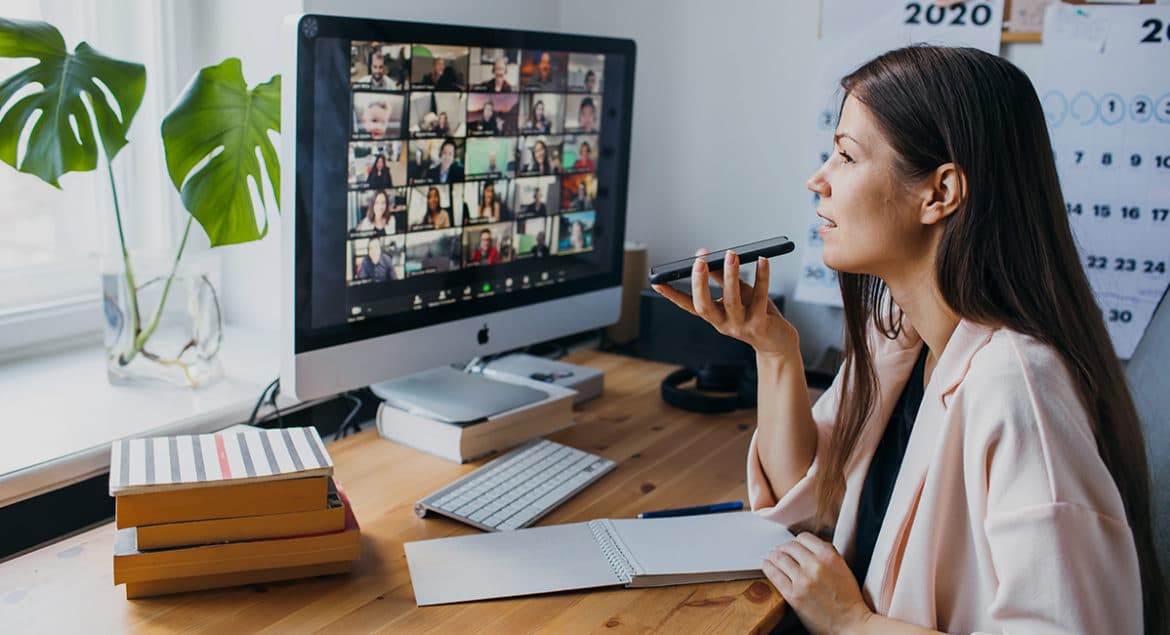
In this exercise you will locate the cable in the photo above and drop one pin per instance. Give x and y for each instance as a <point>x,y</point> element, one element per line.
<point>260,401</point>
<point>272,400</point>
<point>350,419</point>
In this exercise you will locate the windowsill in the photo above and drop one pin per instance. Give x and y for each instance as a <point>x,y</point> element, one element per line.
<point>60,414</point>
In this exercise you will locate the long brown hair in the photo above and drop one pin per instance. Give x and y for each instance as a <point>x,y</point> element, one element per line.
<point>1006,258</point>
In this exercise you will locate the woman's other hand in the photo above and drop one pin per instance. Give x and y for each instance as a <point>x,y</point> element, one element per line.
<point>744,312</point>
<point>818,585</point>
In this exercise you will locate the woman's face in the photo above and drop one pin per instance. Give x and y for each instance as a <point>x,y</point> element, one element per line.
<point>538,153</point>
<point>379,207</point>
<point>433,200</point>
<point>443,120</point>
<point>538,111</point>
<point>374,249</point>
<point>379,164</point>
<point>489,194</point>
<point>870,220</point>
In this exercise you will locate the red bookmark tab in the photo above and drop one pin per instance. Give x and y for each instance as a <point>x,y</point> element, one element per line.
<point>224,467</point>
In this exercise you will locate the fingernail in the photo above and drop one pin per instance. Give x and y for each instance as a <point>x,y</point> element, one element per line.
<point>732,258</point>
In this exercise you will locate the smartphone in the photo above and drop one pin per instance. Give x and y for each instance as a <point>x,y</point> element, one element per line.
<point>748,253</point>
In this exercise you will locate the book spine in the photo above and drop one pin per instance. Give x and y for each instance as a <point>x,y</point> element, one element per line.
<point>609,547</point>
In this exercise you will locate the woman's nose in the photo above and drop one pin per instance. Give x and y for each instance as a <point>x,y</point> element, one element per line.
<point>818,183</point>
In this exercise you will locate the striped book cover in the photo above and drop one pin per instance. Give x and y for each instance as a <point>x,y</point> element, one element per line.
<point>160,464</point>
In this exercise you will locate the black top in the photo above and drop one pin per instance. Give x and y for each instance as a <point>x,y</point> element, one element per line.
<point>883,471</point>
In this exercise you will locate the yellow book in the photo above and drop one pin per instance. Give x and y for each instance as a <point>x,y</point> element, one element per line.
<point>149,588</point>
<point>204,532</point>
<point>133,565</point>
<point>223,501</point>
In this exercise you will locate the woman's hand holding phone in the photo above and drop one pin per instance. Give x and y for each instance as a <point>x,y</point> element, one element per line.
<point>745,312</point>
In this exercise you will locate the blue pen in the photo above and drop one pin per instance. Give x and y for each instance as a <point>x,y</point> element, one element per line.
<point>692,511</point>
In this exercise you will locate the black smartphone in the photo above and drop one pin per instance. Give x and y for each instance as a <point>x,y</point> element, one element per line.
<point>748,253</point>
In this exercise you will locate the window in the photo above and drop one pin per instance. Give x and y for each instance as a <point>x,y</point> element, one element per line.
<point>51,241</point>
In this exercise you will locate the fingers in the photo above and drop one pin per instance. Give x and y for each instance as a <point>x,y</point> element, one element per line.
<point>705,307</point>
<point>760,299</point>
<point>680,299</point>
<point>802,555</point>
<point>815,545</point>
<point>779,579</point>
<point>732,302</point>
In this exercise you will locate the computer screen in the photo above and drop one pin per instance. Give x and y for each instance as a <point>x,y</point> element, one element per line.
<point>445,172</point>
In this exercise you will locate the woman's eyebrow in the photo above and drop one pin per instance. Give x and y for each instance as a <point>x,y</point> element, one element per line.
<point>844,135</point>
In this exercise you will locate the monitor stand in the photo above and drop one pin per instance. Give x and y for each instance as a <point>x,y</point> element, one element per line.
<point>455,396</point>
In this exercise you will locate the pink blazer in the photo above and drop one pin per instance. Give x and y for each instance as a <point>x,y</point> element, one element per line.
<point>1003,517</point>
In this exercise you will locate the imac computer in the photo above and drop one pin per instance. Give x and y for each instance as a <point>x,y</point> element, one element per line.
<point>450,192</point>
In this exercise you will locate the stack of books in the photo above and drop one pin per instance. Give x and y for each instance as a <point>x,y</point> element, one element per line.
<point>242,506</point>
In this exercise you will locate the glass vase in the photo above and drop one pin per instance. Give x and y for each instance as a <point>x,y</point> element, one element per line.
<point>171,329</point>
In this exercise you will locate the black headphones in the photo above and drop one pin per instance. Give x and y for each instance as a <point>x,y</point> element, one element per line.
<point>740,378</point>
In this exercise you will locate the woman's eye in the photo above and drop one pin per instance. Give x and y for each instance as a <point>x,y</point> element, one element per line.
<point>846,157</point>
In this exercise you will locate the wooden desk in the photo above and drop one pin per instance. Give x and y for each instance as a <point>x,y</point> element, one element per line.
<point>667,458</point>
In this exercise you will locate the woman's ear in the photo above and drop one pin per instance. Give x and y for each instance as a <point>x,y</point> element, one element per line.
<point>946,188</point>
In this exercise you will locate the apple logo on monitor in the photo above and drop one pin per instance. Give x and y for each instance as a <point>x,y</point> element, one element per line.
<point>482,335</point>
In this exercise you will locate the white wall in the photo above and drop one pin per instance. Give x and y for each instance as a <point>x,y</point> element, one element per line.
<point>718,154</point>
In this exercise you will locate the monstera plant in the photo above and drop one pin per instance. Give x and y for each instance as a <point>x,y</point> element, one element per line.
<point>75,109</point>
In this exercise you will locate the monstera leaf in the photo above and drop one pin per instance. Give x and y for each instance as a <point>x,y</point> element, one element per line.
<point>211,138</point>
<point>62,139</point>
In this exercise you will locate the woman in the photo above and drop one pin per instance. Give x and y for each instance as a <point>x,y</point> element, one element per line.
<point>978,459</point>
<point>577,236</point>
<point>436,217</point>
<point>489,206</point>
<point>537,122</point>
<point>443,127</point>
<point>378,217</point>
<point>540,162</point>
<point>379,174</point>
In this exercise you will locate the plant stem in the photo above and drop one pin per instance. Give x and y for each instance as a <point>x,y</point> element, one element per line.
<point>131,288</point>
<point>141,338</point>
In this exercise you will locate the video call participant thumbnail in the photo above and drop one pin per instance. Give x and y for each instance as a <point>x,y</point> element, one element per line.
<point>377,212</point>
<point>580,152</point>
<point>439,67</point>
<point>532,238</point>
<point>585,72</point>
<point>491,157</point>
<point>543,70</point>
<point>578,192</point>
<point>540,156</point>
<point>487,201</point>
<point>378,115</point>
<point>436,161</point>
<point>488,244</point>
<point>574,232</point>
<point>434,207</point>
<point>438,114</point>
<point>377,164</point>
<point>495,70</point>
<point>542,113</point>
<point>491,114</point>
<point>379,66</point>
<point>433,252</point>
<point>581,113</point>
<point>375,259</point>
<point>534,195</point>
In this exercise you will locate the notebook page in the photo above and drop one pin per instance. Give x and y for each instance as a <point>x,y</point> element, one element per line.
<point>507,563</point>
<point>692,545</point>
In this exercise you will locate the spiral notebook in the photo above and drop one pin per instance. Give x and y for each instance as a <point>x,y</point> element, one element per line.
<point>599,553</point>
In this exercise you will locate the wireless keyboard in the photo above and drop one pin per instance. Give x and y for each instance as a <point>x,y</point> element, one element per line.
<point>518,488</point>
